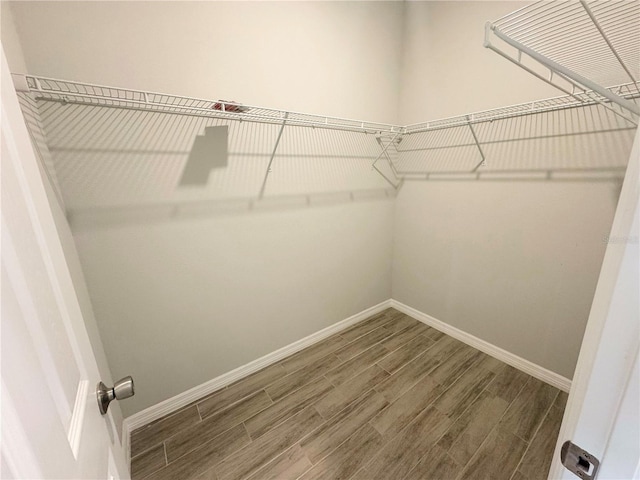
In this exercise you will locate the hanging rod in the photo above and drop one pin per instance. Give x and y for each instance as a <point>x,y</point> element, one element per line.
<point>585,47</point>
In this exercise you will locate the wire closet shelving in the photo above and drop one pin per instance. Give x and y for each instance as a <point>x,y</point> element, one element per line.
<point>590,50</point>
<point>582,47</point>
<point>71,92</point>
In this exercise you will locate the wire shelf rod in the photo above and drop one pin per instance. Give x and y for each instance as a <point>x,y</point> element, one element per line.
<point>598,40</point>
<point>520,12</point>
<point>516,170</point>
<point>559,13</point>
<point>570,20</point>
<point>592,55</point>
<point>548,45</point>
<point>549,35</point>
<point>609,18</point>
<point>575,20</point>
<point>274,121</point>
<point>527,108</point>
<point>544,22</point>
<point>181,110</point>
<point>606,39</point>
<point>135,100</point>
<point>528,20</point>
<point>108,96</point>
<point>556,67</point>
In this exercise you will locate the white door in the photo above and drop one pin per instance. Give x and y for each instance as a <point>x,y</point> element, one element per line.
<point>603,411</point>
<point>51,426</point>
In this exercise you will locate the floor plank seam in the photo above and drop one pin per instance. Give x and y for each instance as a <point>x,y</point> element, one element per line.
<point>155,445</point>
<point>485,389</point>
<point>462,373</point>
<point>479,449</point>
<point>535,433</point>
<point>270,397</point>
<point>166,459</point>
<point>390,440</point>
<point>309,460</point>
<point>453,420</point>
<point>427,453</point>
<point>196,447</point>
<point>419,379</point>
<point>346,406</point>
<point>334,385</point>
<point>495,427</point>
<point>384,368</point>
<point>267,463</point>
<point>227,407</point>
<point>246,430</point>
<point>336,448</point>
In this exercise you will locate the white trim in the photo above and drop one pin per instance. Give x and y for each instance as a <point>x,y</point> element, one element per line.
<point>611,336</point>
<point>77,419</point>
<point>172,404</point>
<point>509,358</point>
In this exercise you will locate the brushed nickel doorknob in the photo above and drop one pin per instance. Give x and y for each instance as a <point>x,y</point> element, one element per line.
<point>121,390</point>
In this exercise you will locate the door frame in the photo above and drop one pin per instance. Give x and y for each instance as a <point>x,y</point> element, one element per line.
<point>611,342</point>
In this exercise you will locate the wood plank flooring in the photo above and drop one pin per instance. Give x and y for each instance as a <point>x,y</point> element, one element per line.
<point>389,398</point>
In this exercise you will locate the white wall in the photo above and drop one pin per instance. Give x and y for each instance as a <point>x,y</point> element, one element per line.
<point>333,58</point>
<point>180,300</point>
<point>513,262</point>
<point>10,40</point>
<point>446,69</point>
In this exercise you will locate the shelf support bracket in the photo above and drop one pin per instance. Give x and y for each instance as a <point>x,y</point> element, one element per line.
<point>397,139</point>
<point>384,153</point>
<point>488,28</point>
<point>273,154</point>
<point>475,139</point>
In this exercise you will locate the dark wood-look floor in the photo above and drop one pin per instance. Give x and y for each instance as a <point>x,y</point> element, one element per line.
<point>388,398</point>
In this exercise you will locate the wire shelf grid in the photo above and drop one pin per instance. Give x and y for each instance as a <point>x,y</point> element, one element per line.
<point>65,91</point>
<point>450,145</point>
<point>586,46</point>
<point>71,92</point>
<point>627,90</point>
<point>569,33</point>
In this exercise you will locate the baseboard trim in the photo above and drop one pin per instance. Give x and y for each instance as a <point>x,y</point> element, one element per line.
<point>509,358</point>
<point>172,404</point>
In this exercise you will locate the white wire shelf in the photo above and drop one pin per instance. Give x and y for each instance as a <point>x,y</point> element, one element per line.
<point>71,92</point>
<point>629,91</point>
<point>455,145</point>
<point>582,48</point>
<point>588,141</point>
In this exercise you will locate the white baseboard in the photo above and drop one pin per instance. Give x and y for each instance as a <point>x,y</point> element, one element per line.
<point>509,358</point>
<point>172,404</point>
